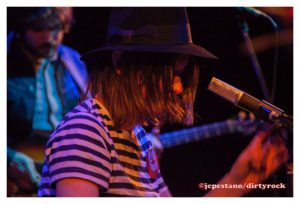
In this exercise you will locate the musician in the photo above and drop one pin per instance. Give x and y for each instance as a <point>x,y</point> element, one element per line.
<point>44,82</point>
<point>147,73</point>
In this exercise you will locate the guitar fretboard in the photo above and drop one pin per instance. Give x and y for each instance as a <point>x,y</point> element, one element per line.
<point>202,132</point>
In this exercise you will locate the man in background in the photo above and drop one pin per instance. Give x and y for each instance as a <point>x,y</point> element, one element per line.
<point>44,81</point>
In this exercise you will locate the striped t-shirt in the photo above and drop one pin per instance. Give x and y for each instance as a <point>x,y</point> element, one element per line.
<point>86,145</point>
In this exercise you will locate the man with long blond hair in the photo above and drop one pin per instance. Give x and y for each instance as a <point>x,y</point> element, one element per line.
<point>147,73</point>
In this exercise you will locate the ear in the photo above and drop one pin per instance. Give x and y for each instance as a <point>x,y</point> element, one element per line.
<point>116,58</point>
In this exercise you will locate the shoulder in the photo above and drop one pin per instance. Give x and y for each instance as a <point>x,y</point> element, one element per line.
<point>80,148</point>
<point>69,55</point>
<point>83,122</point>
<point>72,61</point>
<point>66,49</point>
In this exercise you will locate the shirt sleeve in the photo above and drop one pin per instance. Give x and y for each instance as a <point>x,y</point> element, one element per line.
<point>79,148</point>
<point>161,185</point>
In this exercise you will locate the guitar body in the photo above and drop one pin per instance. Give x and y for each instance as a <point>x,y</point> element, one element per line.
<point>33,150</point>
<point>26,188</point>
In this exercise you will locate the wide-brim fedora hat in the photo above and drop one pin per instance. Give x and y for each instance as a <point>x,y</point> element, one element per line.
<point>149,29</point>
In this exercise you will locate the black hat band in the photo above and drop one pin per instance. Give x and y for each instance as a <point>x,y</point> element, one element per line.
<point>150,34</point>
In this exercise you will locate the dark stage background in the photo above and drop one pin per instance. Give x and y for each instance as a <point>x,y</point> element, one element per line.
<point>218,30</point>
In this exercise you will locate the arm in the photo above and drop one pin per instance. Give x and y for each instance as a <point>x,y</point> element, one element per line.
<point>166,193</point>
<point>85,169</point>
<point>75,187</point>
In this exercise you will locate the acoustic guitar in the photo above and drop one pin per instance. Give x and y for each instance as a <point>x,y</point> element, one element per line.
<point>168,140</point>
<point>197,133</point>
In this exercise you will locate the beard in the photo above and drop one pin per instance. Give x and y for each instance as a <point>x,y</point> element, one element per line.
<point>46,50</point>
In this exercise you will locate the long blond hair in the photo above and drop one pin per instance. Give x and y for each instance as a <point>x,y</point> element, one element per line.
<point>122,93</point>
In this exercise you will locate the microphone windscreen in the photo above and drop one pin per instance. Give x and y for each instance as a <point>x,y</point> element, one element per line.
<point>225,90</point>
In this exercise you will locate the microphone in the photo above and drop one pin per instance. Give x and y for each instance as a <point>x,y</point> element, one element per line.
<point>260,108</point>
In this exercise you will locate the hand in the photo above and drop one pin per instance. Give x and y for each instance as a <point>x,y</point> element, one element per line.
<point>264,155</point>
<point>22,172</point>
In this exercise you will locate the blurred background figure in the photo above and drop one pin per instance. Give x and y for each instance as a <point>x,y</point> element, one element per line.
<point>44,81</point>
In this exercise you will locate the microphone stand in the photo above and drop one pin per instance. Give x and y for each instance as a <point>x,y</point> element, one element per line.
<point>281,122</point>
<point>253,58</point>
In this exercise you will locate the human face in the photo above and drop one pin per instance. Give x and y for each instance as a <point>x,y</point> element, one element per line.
<point>43,43</point>
<point>180,63</point>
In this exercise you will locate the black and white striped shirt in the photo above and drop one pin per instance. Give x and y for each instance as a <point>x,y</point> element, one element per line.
<point>86,145</point>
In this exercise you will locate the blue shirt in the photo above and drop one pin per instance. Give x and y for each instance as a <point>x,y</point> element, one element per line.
<point>29,109</point>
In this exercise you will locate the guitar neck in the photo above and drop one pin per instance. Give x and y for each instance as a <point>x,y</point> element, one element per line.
<point>198,133</point>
